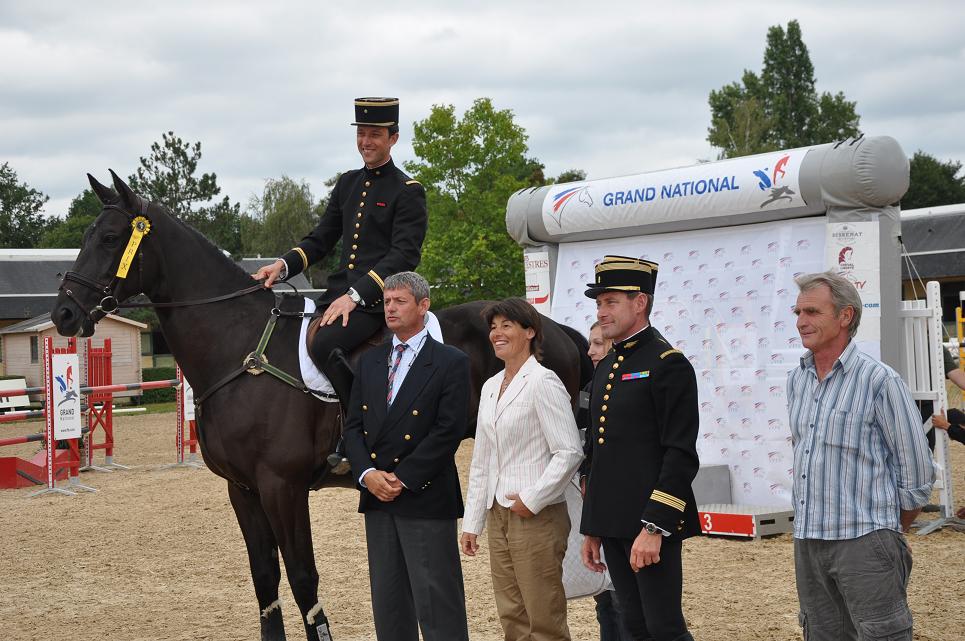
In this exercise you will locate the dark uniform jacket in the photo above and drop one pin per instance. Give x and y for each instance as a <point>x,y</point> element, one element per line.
<point>418,436</point>
<point>644,419</point>
<point>380,215</point>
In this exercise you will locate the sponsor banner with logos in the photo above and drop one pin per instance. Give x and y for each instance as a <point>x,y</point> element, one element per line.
<point>852,250</point>
<point>755,183</point>
<point>65,404</point>
<point>724,297</point>
<point>537,267</point>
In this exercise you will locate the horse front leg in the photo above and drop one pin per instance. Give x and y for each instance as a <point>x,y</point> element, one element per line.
<point>287,508</point>
<point>263,558</point>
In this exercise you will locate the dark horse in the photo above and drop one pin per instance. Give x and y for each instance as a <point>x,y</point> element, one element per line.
<point>268,439</point>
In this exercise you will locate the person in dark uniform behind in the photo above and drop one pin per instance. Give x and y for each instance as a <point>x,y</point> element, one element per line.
<point>379,213</point>
<point>639,504</point>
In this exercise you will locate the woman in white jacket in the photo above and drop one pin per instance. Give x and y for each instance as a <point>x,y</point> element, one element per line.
<point>526,450</point>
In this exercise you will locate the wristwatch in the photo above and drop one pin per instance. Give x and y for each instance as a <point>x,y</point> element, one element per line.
<point>354,295</point>
<point>650,528</point>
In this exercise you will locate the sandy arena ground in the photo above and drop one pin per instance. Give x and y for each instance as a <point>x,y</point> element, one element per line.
<point>157,554</point>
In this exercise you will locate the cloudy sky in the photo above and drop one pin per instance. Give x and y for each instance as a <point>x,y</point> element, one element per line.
<point>610,87</point>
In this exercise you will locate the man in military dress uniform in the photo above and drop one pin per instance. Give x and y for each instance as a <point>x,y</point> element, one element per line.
<point>379,213</point>
<point>639,505</point>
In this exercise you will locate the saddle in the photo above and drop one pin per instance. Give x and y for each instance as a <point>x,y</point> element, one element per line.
<point>377,338</point>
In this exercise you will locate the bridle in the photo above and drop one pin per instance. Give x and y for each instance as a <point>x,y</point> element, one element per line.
<point>140,228</point>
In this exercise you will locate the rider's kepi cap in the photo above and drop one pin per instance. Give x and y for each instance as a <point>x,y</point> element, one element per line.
<point>623,274</point>
<point>377,112</point>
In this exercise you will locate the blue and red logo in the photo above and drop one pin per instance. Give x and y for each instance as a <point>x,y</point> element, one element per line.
<point>769,180</point>
<point>563,198</point>
<point>66,384</point>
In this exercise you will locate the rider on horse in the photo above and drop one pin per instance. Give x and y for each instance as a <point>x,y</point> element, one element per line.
<point>379,213</point>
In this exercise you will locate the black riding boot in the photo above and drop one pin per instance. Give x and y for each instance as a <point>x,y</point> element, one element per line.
<point>340,375</point>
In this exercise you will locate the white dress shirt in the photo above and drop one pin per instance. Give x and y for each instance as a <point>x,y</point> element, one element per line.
<point>527,443</point>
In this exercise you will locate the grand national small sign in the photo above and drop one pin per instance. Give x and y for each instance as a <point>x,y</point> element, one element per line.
<point>65,404</point>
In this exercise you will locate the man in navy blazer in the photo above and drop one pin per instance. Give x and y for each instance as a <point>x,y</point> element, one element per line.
<point>407,416</point>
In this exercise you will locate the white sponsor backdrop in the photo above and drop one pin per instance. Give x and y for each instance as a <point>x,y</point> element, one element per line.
<point>724,297</point>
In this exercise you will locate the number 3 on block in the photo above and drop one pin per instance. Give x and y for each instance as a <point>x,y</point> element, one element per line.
<point>707,524</point>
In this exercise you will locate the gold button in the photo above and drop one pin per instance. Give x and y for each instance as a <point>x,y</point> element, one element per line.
<point>415,412</point>
<point>352,256</point>
<point>602,430</point>
<point>603,409</point>
<point>366,432</point>
<point>378,172</point>
<point>363,194</point>
<point>603,419</point>
<point>606,397</point>
<point>355,236</point>
<point>611,378</point>
<point>365,111</point>
<point>354,247</point>
<point>407,437</point>
<point>357,225</point>
<point>599,440</point>
<point>616,365</point>
<point>362,204</point>
<point>620,358</point>
<point>368,184</point>
<point>365,408</point>
<point>608,386</point>
<point>395,460</point>
<point>358,215</point>
<point>372,456</point>
<point>351,266</point>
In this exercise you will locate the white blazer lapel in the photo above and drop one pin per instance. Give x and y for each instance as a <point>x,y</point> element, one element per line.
<point>515,386</point>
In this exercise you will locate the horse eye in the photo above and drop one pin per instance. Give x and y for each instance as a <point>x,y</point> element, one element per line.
<point>110,239</point>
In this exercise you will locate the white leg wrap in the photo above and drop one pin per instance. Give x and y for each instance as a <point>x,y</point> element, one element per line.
<point>274,606</point>
<point>310,617</point>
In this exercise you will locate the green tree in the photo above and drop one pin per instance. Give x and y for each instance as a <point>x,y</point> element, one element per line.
<point>934,183</point>
<point>571,176</point>
<point>780,109</point>
<point>69,232</point>
<point>469,167</point>
<point>168,176</point>
<point>21,223</point>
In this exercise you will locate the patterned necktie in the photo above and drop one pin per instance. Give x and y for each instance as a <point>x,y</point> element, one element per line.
<point>401,347</point>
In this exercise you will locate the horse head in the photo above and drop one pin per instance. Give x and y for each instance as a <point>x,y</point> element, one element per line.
<point>113,263</point>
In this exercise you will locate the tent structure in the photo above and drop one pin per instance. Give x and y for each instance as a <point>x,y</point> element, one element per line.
<point>730,238</point>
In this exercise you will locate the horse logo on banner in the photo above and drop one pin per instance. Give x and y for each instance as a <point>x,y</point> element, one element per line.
<point>66,384</point>
<point>769,181</point>
<point>562,199</point>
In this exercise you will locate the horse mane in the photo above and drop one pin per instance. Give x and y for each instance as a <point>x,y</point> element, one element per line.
<point>204,240</point>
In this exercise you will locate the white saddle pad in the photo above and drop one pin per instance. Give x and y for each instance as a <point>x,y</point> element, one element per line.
<point>313,377</point>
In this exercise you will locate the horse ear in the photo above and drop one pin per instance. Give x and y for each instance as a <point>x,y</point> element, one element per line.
<point>104,194</point>
<point>132,200</point>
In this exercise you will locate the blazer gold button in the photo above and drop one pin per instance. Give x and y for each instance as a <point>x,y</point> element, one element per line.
<point>352,256</point>
<point>610,377</point>
<point>415,412</point>
<point>354,247</point>
<point>355,236</point>
<point>395,460</point>
<point>372,456</point>
<point>408,437</point>
<point>351,266</point>
<point>358,215</point>
<point>608,386</point>
<point>365,408</point>
<point>620,358</point>
<point>603,408</point>
<point>603,419</point>
<point>363,194</point>
<point>365,432</point>
<point>357,225</point>
<point>606,397</point>
<point>602,430</point>
<point>600,440</point>
<point>616,365</point>
<point>362,204</point>
<point>368,183</point>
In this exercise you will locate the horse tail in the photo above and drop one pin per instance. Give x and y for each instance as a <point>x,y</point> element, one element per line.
<point>582,346</point>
